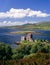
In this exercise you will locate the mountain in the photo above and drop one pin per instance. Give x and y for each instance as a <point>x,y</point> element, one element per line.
<point>43,23</point>
<point>30,26</point>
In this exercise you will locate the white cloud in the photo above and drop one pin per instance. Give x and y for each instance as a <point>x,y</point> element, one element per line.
<point>10,23</point>
<point>21,13</point>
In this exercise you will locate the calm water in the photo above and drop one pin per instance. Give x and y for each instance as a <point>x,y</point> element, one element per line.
<point>12,38</point>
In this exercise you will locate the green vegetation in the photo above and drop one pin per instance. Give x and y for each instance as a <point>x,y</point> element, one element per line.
<point>31,27</point>
<point>27,53</point>
<point>25,32</point>
<point>21,32</point>
<point>5,52</point>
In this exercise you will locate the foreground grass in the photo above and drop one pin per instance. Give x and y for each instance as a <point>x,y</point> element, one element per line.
<point>33,59</point>
<point>27,53</point>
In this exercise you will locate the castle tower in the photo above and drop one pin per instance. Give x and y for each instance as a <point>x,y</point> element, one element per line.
<point>23,38</point>
<point>29,37</point>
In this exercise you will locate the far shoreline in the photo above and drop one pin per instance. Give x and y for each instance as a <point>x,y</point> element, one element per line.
<point>25,32</point>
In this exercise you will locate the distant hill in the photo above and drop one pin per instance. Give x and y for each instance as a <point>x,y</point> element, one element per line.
<point>43,23</point>
<point>30,26</point>
<point>40,25</point>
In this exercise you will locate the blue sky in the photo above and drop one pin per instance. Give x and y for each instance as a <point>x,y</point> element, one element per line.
<point>17,12</point>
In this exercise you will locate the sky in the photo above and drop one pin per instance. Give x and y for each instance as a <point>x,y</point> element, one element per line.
<point>18,12</point>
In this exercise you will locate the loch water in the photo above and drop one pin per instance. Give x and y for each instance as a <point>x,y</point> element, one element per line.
<point>12,38</point>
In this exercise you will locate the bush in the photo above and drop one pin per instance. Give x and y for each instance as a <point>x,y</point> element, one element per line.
<point>21,51</point>
<point>32,59</point>
<point>40,47</point>
<point>5,52</point>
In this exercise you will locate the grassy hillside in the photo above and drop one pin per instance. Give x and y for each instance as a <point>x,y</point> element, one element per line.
<point>44,24</point>
<point>30,27</point>
<point>27,53</point>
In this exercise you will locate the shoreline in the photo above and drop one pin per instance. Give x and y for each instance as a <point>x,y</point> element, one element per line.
<point>24,32</point>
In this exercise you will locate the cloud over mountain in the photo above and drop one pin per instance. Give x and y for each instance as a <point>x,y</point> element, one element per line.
<point>10,23</point>
<point>21,13</point>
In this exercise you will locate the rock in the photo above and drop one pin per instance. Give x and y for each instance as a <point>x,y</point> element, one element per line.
<point>17,43</point>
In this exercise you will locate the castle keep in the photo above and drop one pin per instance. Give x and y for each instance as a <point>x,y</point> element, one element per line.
<point>28,37</point>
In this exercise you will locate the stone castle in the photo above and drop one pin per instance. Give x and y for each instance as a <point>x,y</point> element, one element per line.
<point>28,37</point>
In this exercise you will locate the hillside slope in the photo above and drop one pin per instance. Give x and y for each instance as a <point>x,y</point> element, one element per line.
<point>29,26</point>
